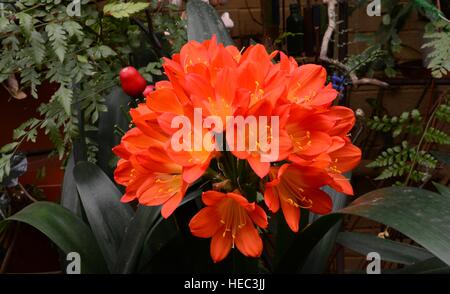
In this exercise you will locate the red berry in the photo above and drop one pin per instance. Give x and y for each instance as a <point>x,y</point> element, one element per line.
<point>132,82</point>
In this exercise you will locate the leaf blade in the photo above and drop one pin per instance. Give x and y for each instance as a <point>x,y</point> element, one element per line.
<point>203,23</point>
<point>389,250</point>
<point>66,230</point>
<point>107,216</point>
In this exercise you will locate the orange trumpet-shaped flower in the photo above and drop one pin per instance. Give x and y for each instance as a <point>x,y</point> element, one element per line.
<point>294,187</point>
<point>343,160</point>
<point>282,107</point>
<point>309,132</point>
<point>260,141</point>
<point>229,220</point>
<point>148,174</point>
<point>307,87</point>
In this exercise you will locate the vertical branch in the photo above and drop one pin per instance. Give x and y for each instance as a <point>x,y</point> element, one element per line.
<point>331,4</point>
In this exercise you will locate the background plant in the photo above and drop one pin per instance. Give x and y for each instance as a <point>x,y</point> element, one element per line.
<point>386,41</point>
<point>411,161</point>
<point>79,56</point>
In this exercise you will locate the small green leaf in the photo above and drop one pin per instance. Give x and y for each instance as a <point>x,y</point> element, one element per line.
<point>9,147</point>
<point>121,10</point>
<point>73,29</point>
<point>58,39</point>
<point>38,46</point>
<point>26,23</point>
<point>64,97</point>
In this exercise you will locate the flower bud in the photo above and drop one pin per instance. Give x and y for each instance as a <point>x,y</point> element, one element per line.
<point>148,90</point>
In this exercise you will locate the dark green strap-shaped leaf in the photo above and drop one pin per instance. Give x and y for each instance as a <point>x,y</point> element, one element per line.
<point>133,240</point>
<point>203,23</point>
<point>421,215</point>
<point>430,266</point>
<point>304,242</point>
<point>443,190</point>
<point>389,250</point>
<point>107,216</point>
<point>117,104</point>
<point>69,194</point>
<point>66,230</point>
<point>317,260</point>
<point>143,224</point>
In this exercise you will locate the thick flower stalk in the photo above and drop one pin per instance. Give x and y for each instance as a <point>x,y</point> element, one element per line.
<point>243,125</point>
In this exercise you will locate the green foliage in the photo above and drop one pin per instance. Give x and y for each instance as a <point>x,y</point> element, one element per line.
<point>121,10</point>
<point>402,154</point>
<point>404,161</point>
<point>387,38</point>
<point>283,36</point>
<point>443,113</point>
<point>81,56</point>
<point>407,122</point>
<point>437,35</point>
<point>406,209</point>
<point>431,11</point>
<point>58,39</point>
<point>433,135</point>
<point>151,70</point>
<point>366,60</point>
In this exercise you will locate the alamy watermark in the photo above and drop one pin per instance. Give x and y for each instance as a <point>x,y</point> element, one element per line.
<point>250,134</point>
<point>374,8</point>
<point>74,263</point>
<point>74,8</point>
<point>374,265</point>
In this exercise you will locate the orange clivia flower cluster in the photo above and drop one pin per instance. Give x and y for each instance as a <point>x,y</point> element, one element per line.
<point>314,147</point>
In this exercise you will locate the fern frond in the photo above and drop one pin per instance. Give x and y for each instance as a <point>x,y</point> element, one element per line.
<point>434,135</point>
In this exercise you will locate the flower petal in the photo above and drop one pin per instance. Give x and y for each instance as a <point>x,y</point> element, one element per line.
<point>220,246</point>
<point>272,201</point>
<point>205,223</point>
<point>321,201</point>
<point>260,168</point>
<point>211,198</point>
<point>170,205</point>
<point>248,240</point>
<point>291,215</point>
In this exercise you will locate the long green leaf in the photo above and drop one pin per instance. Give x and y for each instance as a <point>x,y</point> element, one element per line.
<point>142,225</point>
<point>304,242</point>
<point>117,104</point>
<point>430,266</point>
<point>66,230</point>
<point>203,23</point>
<point>133,240</point>
<point>443,190</point>
<point>421,215</point>
<point>317,260</point>
<point>389,250</point>
<point>107,216</point>
<point>69,194</point>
